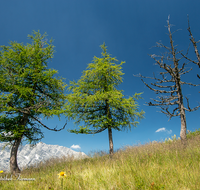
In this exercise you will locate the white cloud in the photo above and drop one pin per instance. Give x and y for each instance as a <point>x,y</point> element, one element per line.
<point>170,131</point>
<point>161,129</point>
<point>75,146</point>
<point>164,130</point>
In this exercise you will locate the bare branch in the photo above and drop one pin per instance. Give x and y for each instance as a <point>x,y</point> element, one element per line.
<point>166,111</point>
<point>46,126</point>
<point>194,44</point>
<point>184,72</point>
<point>157,91</point>
<point>97,131</point>
<point>189,59</point>
<point>27,111</point>
<point>189,109</point>
<point>189,83</point>
<point>160,86</point>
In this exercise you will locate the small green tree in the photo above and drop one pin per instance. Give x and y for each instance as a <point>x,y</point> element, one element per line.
<point>97,103</point>
<point>27,90</point>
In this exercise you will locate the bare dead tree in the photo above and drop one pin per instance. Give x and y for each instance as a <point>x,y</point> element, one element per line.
<point>169,85</point>
<point>194,43</point>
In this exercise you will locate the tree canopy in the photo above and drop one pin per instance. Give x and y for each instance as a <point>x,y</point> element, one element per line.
<point>96,104</point>
<point>28,89</point>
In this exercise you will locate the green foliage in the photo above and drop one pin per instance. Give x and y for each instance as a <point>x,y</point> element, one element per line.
<point>95,100</point>
<point>193,134</point>
<point>189,136</point>
<point>28,88</point>
<point>173,138</point>
<point>139,182</point>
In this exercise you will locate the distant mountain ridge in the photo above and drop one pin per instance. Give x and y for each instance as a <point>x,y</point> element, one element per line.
<point>28,155</point>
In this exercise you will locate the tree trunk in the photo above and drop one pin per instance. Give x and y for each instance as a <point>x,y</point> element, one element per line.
<point>183,127</point>
<point>110,140</point>
<point>182,116</point>
<point>13,157</point>
<point>179,91</point>
<point>13,154</point>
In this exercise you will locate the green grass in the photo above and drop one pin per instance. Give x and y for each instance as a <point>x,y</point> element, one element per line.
<point>156,165</point>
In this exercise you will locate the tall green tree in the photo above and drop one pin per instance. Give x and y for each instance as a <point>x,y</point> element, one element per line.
<point>28,90</point>
<point>95,103</point>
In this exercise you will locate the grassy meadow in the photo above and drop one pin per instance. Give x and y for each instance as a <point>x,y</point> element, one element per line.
<point>155,165</point>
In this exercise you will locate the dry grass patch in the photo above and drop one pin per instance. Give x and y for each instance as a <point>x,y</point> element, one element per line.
<point>155,165</point>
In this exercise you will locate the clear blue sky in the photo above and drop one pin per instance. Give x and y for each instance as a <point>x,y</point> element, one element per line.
<point>129,28</point>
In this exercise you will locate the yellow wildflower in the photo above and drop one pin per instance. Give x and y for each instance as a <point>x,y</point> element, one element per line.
<point>62,174</point>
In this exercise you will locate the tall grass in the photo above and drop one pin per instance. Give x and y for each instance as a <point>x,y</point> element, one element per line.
<point>155,165</point>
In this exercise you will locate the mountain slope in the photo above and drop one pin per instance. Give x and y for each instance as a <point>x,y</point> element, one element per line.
<point>28,155</point>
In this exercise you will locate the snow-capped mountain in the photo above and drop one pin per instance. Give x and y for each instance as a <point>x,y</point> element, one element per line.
<point>27,155</point>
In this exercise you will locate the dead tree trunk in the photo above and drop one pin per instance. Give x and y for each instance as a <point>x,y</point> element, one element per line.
<point>182,116</point>
<point>183,128</point>
<point>177,79</point>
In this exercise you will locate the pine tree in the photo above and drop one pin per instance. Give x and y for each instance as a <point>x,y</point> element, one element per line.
<point>96,103</point>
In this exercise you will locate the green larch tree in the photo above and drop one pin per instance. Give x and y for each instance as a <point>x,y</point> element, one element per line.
<point>95,103</point>
<point>28,90</point>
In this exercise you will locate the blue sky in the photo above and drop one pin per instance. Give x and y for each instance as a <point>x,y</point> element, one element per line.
<point>129,28</point>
